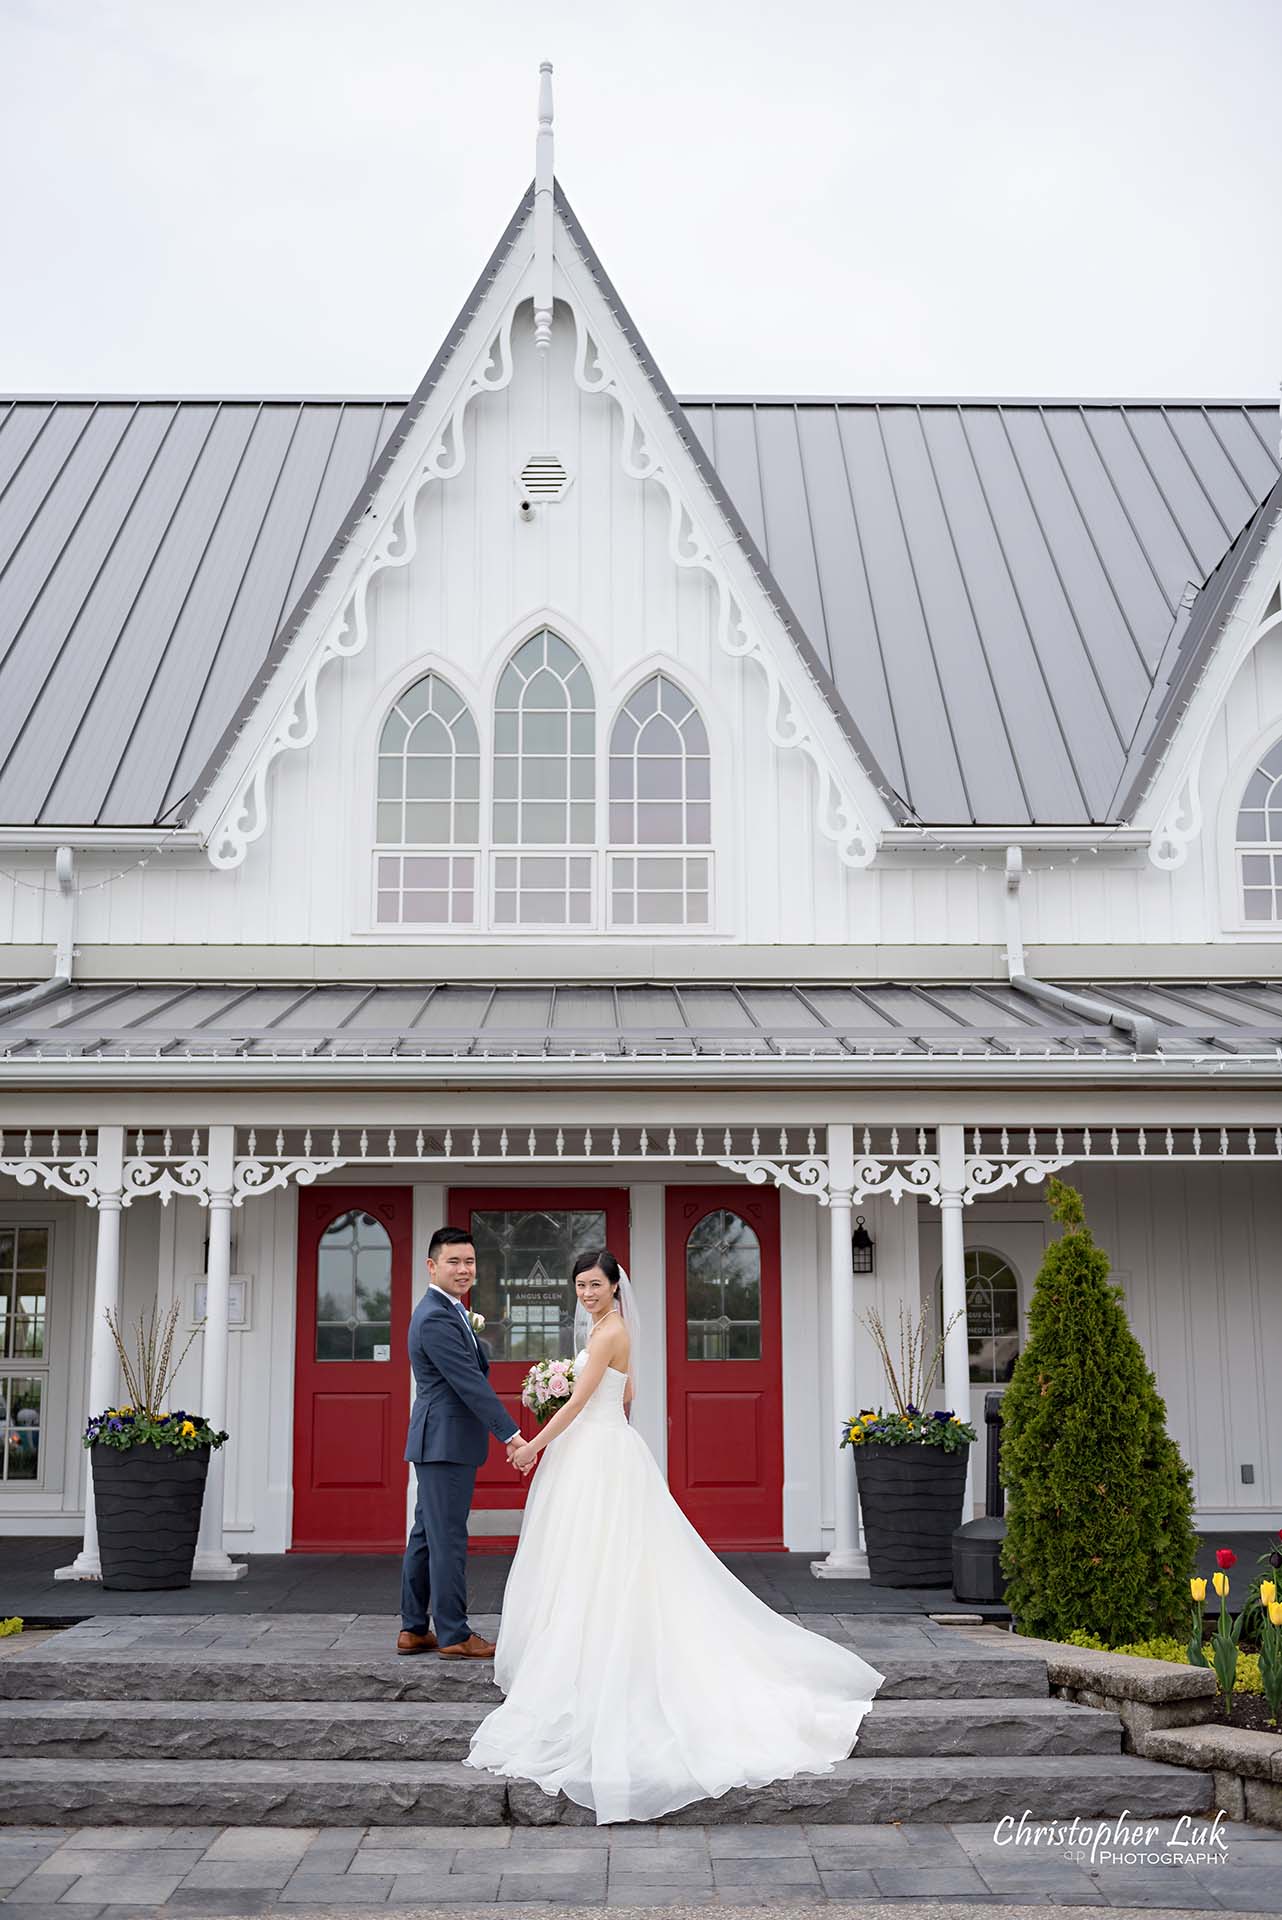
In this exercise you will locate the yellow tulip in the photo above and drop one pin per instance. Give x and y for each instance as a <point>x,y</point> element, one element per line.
<point>1275,1613</point>
<point>1268,1592</point>
<point>1198,1589</point>
<point>1220,1581</point>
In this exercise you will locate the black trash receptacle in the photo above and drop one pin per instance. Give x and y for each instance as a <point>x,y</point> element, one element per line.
<point>977,1545</point>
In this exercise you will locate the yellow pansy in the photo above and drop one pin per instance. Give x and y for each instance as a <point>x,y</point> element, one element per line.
<point>187,1427</point>
<point>1220,1581</point>
<point>1268,1592</point>
<point>1198,1589</point>
<point>1275,1613</point>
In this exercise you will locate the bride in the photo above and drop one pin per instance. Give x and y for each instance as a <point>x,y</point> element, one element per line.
<point>639,1674</point>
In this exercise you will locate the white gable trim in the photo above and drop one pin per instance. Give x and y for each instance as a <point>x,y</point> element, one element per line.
<point>849,810</point>
<point>850,813</point>
<point>235,811</point>
<point>1171,809</point>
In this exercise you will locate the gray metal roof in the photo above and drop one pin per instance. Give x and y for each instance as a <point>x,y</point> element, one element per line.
<point>992,584</point>
<point>630,1022</point>
<point>988,591</point>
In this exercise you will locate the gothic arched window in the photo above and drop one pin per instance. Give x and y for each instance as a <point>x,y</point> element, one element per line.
<point>429,809</point>
<point>544,787</point>
<point>660,797</point>
<point>1259,841</point>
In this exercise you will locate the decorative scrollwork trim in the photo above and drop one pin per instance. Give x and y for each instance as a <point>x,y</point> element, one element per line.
<point>244,817</point>
<point>840,819</point>
<point>984,1175</point>
<point>253,1178</point>
<point>75,1178</point>
<point>919,1178</point>
<point>145,1179</point>
<point>809,1176</point>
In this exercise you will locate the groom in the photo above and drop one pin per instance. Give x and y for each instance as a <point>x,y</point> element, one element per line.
<point>455,1411</point>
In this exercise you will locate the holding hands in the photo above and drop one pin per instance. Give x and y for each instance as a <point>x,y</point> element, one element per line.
<point>521,1454</point>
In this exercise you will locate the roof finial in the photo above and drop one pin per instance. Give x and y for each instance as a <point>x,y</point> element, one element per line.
<point>543,190</point>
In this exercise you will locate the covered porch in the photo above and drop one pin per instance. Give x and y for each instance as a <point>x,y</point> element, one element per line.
<point>203,1194</point>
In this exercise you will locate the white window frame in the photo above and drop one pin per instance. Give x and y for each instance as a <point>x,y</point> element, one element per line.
<point>49,1477</point>
<point>1233,920</point>
<point>684,851</point>
<point>453,852</point>
<point>479,694</point>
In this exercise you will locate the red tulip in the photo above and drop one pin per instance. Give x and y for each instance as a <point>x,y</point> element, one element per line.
<point>1225,1557</point>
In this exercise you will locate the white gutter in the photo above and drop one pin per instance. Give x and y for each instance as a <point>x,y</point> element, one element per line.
<point>1079,840</point>
<point>1141,1028</point>
<point>804,1073</point>
<point>65,953</point>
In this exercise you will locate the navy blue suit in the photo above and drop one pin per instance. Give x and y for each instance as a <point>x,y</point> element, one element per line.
<point>454,1413</point>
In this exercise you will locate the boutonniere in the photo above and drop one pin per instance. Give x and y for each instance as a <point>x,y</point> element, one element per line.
<point>476,1321</point>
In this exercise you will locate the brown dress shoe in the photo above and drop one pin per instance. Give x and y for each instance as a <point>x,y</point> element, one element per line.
<point>473,1648</point>
<point>407,1642</point>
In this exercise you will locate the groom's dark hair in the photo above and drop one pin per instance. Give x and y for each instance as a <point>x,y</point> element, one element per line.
<point>448,1237</point>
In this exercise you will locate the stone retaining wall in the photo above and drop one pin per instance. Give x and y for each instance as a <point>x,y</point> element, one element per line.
<point>1166,1711</point>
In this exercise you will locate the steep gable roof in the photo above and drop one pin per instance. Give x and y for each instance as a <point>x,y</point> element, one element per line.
<point>1007,576</point>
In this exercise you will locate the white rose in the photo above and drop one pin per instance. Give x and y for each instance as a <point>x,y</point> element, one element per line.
<point>478,1322</point>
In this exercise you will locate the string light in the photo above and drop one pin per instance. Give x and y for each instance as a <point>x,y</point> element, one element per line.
<point>92,886</point>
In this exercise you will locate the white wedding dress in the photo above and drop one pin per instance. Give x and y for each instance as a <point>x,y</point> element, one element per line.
<point>639,1674</point>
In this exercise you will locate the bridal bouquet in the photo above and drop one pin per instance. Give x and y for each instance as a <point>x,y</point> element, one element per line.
<point>548,1385</point>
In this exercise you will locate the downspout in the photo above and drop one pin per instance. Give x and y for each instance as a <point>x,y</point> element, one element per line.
<point>65,952</point>
<point>1141,1028</point>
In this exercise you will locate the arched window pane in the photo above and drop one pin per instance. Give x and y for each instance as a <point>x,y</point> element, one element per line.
<point>992,1317</point>
<point>660,786</point>
<point>723,1289</point>
<point>544,747</point>
<point>659,769</point>
<point>353,1288</point>
<point>544,786</point>
<point>429,783</point>
<point>1259,825</point>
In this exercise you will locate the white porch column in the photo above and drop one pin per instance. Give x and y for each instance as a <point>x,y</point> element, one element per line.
<point>212,1562</point>
<point>104,1363</point>
<point>952,1183</point>
<point>846,1561</point>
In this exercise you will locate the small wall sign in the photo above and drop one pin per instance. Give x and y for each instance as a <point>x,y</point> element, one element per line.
<point>239,1297</point>
<point>382,1353</point>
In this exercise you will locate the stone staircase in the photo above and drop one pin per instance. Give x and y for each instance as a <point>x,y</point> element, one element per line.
<point>101,1727</point>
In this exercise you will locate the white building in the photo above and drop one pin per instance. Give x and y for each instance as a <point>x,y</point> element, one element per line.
<point>549,806</point>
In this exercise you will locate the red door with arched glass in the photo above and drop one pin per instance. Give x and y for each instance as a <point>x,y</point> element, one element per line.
<point>351,1372</point>
<point>725,1375</point>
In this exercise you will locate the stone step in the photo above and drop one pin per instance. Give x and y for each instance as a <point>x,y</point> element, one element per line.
<point>249,1676</point>
<point>441,1730</point>
<point>325,1793</point>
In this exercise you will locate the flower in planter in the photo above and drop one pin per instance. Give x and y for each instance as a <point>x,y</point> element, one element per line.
<point>149,1374</point>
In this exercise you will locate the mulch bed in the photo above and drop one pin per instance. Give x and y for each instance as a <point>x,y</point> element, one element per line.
<point>1250,1710</point>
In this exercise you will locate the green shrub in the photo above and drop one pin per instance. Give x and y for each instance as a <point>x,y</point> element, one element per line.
<point>1099,1531</point>
<point>13,1625</point>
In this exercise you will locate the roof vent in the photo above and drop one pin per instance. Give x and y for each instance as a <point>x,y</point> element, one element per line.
<point>543,477</point>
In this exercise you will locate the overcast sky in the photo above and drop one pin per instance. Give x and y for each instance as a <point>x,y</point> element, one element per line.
<point>792,196</point>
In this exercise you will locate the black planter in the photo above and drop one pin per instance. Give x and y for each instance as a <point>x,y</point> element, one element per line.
<point>147,1501</point>
<point>911,1501</point>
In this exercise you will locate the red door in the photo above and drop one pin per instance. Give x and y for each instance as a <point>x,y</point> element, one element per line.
<point>527,1240</point>
<point>725,1387</point>
<point>351,1374</point>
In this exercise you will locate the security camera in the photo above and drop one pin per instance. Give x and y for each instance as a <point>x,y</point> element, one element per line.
<point>526,509</point>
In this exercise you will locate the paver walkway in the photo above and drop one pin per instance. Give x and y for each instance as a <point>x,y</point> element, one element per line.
<point>117,1872</point>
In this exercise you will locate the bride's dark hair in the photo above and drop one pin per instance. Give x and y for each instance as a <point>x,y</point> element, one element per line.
<point>605,1260</point>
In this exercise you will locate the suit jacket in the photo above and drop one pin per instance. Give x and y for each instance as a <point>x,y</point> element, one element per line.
<point>455,1408</point>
